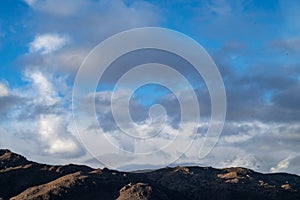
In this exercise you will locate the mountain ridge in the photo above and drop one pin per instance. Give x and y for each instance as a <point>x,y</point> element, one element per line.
<point>24,179</point>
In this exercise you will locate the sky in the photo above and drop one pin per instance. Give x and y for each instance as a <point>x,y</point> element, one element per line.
<point>255,45</point>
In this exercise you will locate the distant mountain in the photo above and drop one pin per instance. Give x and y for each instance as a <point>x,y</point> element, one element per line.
<point>23,179</point>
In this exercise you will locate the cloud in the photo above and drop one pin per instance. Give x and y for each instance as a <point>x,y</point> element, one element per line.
<point>52,128</point>
<point>49,67</point>
<point>47,43</point>
<point>259,89</point>
<point>42,88</point>
<point>291,44</point>
<point>30,2</point>
<point>8,101</point>
<point>3,90</point>
<point>43,116</point>
<point>258,62</point>
<point>282,165</point>
<point>8,104</point>
<point>242,160</point>
<point>237,138</point>
<point>55,137</point>
<point>290,12</point>
<point>223,15</point>
<point>252,136</point>
<point>98,20</point>
<point>66,8</point>
<point>252,140</point>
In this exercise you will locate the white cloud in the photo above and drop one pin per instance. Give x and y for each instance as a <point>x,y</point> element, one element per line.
<point>51,128</point>
<point>43,90</point>
<point>242,160</point>
<point>282,165</point>
<point>237,138</point>
<point>47,43</point>
<point>3,90</point>
<point>47,120</point>
<point>52,132</point>
<point>30,2</point>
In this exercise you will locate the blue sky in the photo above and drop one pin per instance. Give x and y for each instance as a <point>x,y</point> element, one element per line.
<point>255,44</point>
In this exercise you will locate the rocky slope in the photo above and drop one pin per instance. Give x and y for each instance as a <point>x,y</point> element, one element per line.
<point>23,179</point>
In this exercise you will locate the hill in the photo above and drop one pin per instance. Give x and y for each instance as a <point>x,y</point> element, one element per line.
<point>23,179</point>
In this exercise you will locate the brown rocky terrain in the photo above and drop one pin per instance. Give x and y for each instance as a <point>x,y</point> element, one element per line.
<point>23,179</point>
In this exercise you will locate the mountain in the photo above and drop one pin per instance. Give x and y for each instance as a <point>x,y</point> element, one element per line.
<point>23,179</point>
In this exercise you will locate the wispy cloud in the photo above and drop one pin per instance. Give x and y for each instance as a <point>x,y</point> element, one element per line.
<point>47,43</point>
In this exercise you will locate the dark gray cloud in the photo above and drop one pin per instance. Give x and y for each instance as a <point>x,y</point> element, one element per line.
<point>289,97</point>
<point>265,90</point>
<point>8,103</point>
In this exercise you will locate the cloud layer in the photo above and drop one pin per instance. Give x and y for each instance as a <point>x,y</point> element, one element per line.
<point>255,46</point>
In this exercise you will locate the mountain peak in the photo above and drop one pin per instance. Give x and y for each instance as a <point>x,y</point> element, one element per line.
<point>9,159</point>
